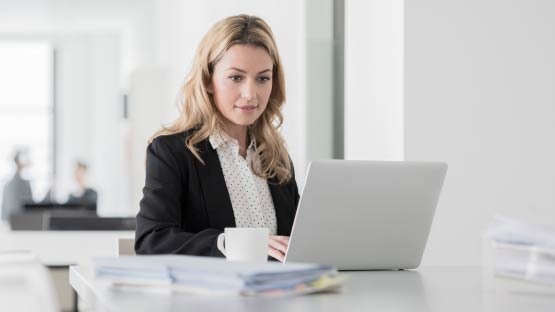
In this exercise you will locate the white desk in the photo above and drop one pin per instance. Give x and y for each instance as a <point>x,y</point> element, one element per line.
<point>60,249</point>
<point>64,248</point>
<point>427,289</point>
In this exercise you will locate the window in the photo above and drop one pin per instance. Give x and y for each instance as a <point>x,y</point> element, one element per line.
<point>27,111</point>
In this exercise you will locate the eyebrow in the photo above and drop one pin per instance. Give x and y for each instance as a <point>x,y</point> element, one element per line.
<point>244,72</point>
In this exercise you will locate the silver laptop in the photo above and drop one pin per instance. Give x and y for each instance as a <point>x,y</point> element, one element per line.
<point>366,215</point>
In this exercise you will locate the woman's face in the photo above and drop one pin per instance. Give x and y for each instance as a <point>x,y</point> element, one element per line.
<point>241,84</point>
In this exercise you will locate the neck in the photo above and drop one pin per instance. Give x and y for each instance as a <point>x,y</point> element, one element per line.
<point>238,133</point>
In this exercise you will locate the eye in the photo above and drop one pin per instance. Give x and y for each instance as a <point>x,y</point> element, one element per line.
<point>263,79</point>
<point>236,78</point>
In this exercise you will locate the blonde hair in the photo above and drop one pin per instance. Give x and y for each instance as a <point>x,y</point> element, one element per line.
<point>198,111</point>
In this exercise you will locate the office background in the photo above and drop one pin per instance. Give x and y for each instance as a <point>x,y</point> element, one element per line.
<point>466,82</point>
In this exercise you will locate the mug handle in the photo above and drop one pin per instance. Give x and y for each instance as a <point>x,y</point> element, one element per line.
<point>220,243</point>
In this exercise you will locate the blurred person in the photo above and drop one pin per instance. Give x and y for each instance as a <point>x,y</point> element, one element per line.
<point>84,196</point>
<point>17,191</point>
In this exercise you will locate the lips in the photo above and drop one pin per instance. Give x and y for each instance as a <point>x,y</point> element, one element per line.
<point>247,108</point>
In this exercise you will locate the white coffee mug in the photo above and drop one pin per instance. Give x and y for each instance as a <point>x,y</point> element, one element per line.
<point>245,244</point>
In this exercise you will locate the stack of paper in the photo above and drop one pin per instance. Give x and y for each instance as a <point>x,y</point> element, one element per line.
<point>522,250</point>
<point>513,231</point>
<point>207,275</point>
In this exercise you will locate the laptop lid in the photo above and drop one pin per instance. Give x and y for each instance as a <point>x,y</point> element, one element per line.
<point>366,215</point>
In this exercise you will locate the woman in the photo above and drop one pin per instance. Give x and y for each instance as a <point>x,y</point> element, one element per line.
<point>222,163</point>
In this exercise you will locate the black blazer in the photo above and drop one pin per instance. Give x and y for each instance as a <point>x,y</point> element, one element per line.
<point>186,204</point>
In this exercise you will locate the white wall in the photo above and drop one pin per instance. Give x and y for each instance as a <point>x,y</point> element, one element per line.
<point>479,95</point>
<point>467,82</point>
<point>374,38</point>
<point>318,81</point>
<point>89,111</point>
<point>149,99</point>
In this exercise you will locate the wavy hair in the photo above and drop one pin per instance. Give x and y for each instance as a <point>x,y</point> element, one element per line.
<point>198,111</point>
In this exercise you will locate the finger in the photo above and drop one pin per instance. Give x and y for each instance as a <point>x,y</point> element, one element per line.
<point>276,254</point>
<point>283,239</point>
<point>279,240</point>
<point>278,245</point>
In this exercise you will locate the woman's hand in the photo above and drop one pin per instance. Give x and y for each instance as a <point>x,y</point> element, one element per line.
<point>278,246</point>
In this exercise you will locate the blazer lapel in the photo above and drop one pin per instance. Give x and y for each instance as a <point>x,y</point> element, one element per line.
<point>217,200</point>
<point>216,196</point>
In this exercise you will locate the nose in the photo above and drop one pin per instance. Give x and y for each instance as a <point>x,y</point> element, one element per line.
<point>249,90</point>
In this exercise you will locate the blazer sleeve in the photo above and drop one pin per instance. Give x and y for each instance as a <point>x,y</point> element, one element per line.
<point>159,229</point>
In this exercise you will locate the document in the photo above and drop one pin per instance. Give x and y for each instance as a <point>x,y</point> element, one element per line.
<point>523,251</point>
<point>216,276</point>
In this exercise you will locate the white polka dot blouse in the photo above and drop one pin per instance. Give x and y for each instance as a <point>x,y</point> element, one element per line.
<point>250,195</point>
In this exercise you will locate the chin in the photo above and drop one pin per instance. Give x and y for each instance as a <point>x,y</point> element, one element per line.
<point>244,122</point>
